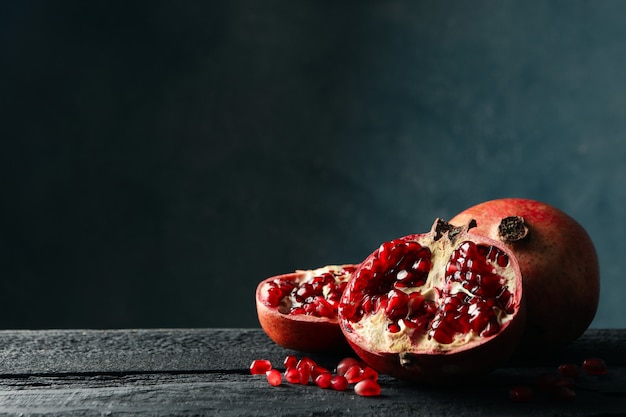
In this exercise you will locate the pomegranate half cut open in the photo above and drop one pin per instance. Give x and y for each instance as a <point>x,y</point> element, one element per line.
<point>435,307</point>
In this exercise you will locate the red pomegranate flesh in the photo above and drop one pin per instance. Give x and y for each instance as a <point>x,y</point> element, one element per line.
<point>298,310</point>
<point>435,307</point>
<point>559,267</point>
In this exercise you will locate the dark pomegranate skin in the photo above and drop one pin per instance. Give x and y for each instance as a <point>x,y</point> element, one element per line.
<point>559,264</point>
<point>436,308</point>
<point>298,310</point>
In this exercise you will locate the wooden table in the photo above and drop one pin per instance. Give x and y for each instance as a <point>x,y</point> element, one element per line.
<point>205,372</point>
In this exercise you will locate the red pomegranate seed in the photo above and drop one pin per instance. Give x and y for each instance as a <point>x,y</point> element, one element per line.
<point>422,265</point>
<point>274,377</point>
<point>367,388</point>
<point>304,376</point>
<point>369,373</point>
<point>479,322</point>
<point>502,259</point>
<point>368,305</point>
<point>290,361</point>
<point>397,304</point>
<point>415,300</point>
<point>310,308</point>
<point>273,295</point>
<point>317,371</point>
<point>292,376</point>
<point>440,335</point>
<point>492,327</point>
<point>345,364</point>
<point>339,382</point>
<point>393,328</point>
<point>304,371</point>
<point>323,308</point>
<point>260,366</point>
<point>384,252</point>
<point>353,374</point>
<point>570,370</point>
<point>521,394</point>
<point>308,361</point>
<point>323,380</point>
<point>297,311</point>
<point>304,292</point>
<point>594,366</point>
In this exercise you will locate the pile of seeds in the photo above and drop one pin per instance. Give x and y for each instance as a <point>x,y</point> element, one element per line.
<point>303,371</point>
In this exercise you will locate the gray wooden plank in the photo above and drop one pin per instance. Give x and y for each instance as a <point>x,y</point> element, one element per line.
<point>127,351</point>
<point>239,395</point>
<point>200,350</point>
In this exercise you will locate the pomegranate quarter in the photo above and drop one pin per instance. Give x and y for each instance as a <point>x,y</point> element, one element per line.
<point>435,307</point>
<point>299,310</point>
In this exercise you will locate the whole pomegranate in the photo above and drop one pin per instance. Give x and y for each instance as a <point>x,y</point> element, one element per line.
<point>298,310</point>
<point>434,307</point>
<point>559,266</point>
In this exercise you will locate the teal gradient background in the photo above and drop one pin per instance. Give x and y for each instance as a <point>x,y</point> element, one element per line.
<point>159,159</point>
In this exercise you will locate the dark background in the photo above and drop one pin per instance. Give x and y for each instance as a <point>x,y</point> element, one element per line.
<point>160,158</point>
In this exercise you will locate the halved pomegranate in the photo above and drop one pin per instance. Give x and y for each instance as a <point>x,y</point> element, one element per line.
<point>298,310</point>
<point>559,266</point>
<point>434,307</point>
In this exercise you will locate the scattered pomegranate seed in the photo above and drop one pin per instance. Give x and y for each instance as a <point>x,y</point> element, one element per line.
<point>339,382</point>
<point>521,393</point>
<point>304,371</point>
<point>594,366</point>
<point>367,388</point>
<point>323,380</point>
<point>292,376</point>
<point>274,377</point>
<point>310,362</point>
<point>369,373</point>
<point>260,366</point>
<point>570,370</point>
<point>317,371</point>
<point>353,374</point>
<point>345,364</point>
<point>290,361</point>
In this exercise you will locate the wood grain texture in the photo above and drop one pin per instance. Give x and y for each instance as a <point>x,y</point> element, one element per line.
<point>205,372</point>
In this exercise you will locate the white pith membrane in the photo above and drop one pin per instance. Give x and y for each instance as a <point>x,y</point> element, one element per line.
<point>341,274</point>
<point>373,328</point>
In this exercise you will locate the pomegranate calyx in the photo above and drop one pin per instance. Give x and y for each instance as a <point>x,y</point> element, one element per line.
<point>442,228</point>
<point>512,229</point>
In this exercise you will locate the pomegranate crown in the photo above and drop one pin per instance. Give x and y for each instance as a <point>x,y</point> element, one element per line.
<point>442,228</point>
